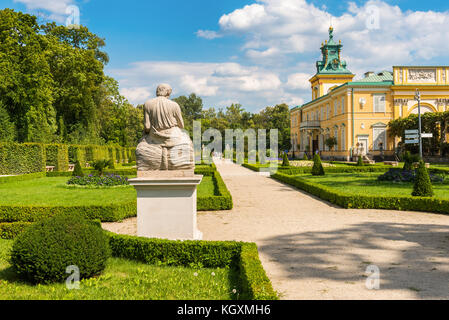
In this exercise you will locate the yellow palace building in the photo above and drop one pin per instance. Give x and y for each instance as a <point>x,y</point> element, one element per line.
<point>357,113</point>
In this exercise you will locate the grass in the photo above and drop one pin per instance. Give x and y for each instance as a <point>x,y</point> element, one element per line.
<point>125,279</point>
<point>53,192</point>
<point>367,184</point>
<point>206,187</point>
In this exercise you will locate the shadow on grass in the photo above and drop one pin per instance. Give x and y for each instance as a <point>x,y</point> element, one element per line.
<point>410,256</point>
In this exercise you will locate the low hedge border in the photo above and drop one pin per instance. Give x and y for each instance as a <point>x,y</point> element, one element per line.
<point>106,213</point>
<point>253,281</point>
<point>120,172</point>
<point>222,200</point>
<point>359,201</point>
<point>299,170</point>
<point>13,229</point>
<point>22,177</point>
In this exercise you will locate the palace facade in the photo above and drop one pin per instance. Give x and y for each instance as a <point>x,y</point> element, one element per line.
<point>357,113</point>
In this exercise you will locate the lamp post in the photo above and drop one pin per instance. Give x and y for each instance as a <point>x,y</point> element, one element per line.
<point>418,98</point>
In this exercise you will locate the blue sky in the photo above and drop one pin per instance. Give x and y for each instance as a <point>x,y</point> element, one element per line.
<point>254,52</point>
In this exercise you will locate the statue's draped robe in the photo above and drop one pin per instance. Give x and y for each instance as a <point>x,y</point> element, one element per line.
<point>164,145</point>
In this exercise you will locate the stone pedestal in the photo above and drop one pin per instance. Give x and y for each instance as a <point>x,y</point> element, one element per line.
<point>166,207</point>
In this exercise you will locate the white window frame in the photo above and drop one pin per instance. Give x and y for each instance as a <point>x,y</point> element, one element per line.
<point>379,107</point>
<point>382,127</point>
<point>337,140</point>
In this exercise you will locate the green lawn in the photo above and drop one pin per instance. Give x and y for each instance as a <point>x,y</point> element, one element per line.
<point>367,184</point>
<point>124,279</point>
<point>52,191</point>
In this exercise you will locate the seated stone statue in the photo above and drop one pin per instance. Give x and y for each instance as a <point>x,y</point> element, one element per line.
<point>164,146</point>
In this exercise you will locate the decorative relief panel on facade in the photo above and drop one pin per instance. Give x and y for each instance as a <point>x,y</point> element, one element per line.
<point>422,75</point>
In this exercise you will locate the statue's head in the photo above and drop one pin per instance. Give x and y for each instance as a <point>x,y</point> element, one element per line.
<point>163,90</point>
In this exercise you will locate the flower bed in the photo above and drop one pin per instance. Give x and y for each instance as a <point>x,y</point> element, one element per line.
<point>306,163</point>
<point>99,181</point>
<point>400,175</point>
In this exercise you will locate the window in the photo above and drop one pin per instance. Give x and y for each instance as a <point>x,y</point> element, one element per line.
<point>336,139</point>
<point>328,112</point>
<point>379,136</point>
<point>343,138</point>
<point>342,105</point>
<point>335,107</point>
<point>322,113</point>
<point>379,102</point>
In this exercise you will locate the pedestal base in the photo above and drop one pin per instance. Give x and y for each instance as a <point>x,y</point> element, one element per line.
<point>166,207</point>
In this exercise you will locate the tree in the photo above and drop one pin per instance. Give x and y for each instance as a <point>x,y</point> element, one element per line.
<point>7,128</point>
<point>191,108</point>
<point>317,169</point>
<point>331,142</point>
<point>26,84</point>
<point>422,186</point>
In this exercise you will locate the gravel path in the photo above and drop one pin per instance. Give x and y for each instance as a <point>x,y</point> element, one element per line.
<point>314,250</point>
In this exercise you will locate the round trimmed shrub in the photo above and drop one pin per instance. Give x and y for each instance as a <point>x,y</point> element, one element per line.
<point>43,252</point>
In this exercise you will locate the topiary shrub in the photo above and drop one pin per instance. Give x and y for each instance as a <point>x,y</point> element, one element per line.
<point>43,252</point>
<point>100,165</point>
<point>305,157</point>
<point>285,162</point>
<point>360,162</point>
<point>78,171</point>
<point>422,186</point>
<point>409,159</point>
<point>317,169</point>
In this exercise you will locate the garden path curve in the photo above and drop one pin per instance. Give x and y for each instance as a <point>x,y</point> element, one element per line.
<point>312,249</point>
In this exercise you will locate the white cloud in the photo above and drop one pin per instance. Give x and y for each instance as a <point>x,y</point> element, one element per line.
<point>56,8</point>
<point>137,94</point>
<point>245,18</point>
<point>299,81</point>
<point>216,82</point>
<point>198,85</point>
<point>207,34</point>
<point>281,41</point>
<point>276,29</point>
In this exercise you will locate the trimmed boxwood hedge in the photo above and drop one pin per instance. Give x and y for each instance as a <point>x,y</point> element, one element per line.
<point>253,281</point>
<point>361,201</point>
<point>106,213</point>
<point>221,200</point>
<point>23,158</point>
<point>12,229</point>
<point>301,170</point>
<point>57,155</point>
<point>22,177</point>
